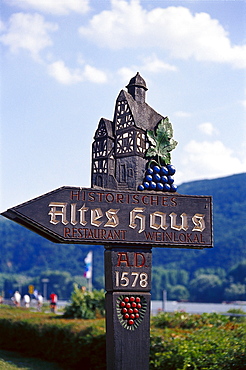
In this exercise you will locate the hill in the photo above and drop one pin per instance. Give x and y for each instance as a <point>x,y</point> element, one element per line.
<point>22,251</point>
<point>229,226</point>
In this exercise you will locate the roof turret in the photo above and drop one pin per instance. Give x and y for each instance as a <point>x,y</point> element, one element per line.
<point>137,88</point>
<point>137,81</point>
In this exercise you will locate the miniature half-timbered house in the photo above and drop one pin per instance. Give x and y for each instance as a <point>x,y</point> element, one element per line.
<point>119,146</point>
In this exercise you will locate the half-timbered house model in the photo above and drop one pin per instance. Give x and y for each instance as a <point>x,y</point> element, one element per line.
<point>119,147</point>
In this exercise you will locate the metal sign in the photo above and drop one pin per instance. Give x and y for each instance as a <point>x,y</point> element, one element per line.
<point>90,216</point>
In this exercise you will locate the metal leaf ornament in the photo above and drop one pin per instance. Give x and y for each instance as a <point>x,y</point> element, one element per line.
<point>161,142</point>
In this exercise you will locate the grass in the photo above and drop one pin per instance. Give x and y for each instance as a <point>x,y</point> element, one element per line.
<point>14,360</point>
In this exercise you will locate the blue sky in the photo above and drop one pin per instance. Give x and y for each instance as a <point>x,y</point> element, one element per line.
<point>63,64</point>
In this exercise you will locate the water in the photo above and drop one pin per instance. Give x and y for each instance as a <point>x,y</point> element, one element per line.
<point>171,306</point>
<point>189,307</point>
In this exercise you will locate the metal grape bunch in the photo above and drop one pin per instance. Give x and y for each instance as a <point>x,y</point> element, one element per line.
<point>158,175</point>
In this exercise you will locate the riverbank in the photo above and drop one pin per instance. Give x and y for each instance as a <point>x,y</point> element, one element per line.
<point>192,307</point>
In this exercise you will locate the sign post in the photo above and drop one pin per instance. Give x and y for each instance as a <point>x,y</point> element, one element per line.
<point>128,284</point>
<point>132,206</point>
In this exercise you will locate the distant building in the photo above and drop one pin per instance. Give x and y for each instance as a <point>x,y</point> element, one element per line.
<point>119,146</point>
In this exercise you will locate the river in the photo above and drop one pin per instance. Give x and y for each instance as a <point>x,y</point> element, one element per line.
<point>171,306</point>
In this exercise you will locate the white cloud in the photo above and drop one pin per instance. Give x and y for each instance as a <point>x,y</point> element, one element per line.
<point>126,73</point>
<point>207,128</point>
<point>155,65</point>
<point>2,26</point>
<point>93,74</point>
<point>58,7</point>
<point>67,76</point>
<point>62,74</point>
<point>174,29</point>
<point>28,32</point>
<point>208,160</point>
<point>151,64</point>
<point>182,114</point>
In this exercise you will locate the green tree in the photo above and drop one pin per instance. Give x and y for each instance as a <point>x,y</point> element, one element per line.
<point>219,271</point>
<point>60,282</point>
<point>235,292</point>
<point>157,283</point>
<point>178,293</point>
<point>167,279</point>
<point>238,272</point>
<point>206,288</point>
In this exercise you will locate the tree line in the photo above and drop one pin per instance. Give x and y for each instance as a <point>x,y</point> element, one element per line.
<point>204,285</point>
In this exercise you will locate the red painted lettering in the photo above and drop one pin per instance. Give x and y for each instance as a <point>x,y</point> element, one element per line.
<point>135,199</point>
<point>100,197</point>
<point>188,238</point>
<point>81,232</point>
<point>182,237</point>
<point>148,236</point>
<point>66,232</point>
<point>169,236</point>
<point>154,200</point>
<point>201,239</point>
<point>173,202</point>
<point>123,258</point>
<point>103,234</point>
<point>119,198</point>
<point>74,232</point>
<point>196,239</point>
<point>74,194</point>
<point>109,198</point>
<point>110,235</point>
<point>139,259</point>
<point>91,197</point>
<point>164,200</point>
<point>143,200</point>
<point>117,234</point>
<point>175,240</point>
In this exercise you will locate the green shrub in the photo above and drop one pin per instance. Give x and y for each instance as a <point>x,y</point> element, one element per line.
<point>73,343</point>
<point>197,342</point>
<point>185,320</point>
<point>236,314</point>
<point>207,348</point>
<point>85,304</point>
<point>179,341</point>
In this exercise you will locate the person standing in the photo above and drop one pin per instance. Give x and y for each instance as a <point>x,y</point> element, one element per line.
<point>40,300</point>
<point>17,298</point>
<point>27,300</point>
<point>53,302</point>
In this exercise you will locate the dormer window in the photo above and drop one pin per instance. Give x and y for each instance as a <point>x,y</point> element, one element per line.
<point>124,117</point>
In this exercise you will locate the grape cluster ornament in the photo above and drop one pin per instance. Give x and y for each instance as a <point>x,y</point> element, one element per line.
<point>160,171</point>
<point>131,310</point>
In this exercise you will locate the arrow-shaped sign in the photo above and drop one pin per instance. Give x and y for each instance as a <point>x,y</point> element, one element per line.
<point>101,216</point>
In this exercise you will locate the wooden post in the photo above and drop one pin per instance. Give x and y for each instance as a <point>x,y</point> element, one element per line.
<point>128,284</point>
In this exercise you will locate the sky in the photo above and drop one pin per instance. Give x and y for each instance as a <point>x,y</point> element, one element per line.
<point>63,64</point>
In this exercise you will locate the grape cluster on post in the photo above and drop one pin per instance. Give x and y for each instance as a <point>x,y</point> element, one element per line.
<point>130,308</point>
